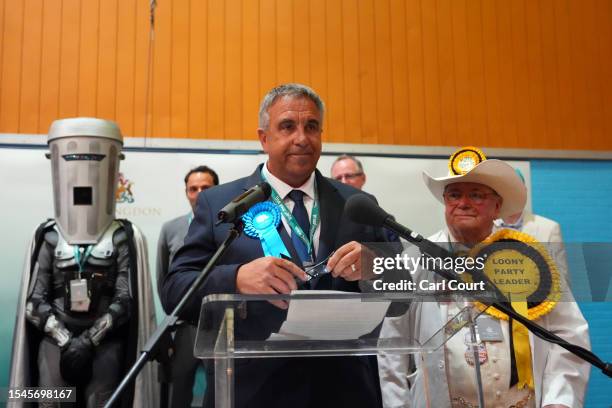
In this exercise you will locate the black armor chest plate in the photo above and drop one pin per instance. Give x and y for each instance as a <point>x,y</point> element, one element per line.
<point>98,268</point>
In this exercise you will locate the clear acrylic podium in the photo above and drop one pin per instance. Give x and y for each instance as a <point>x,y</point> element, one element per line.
<point>228,320</point>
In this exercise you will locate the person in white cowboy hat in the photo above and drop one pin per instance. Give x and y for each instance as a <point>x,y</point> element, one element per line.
<point>477,192</point>
<point>474,190</point>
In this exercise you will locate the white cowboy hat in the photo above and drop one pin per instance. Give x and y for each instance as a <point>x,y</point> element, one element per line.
<point>493,173</point>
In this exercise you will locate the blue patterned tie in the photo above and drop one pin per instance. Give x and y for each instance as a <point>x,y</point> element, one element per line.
<point>301,216</point>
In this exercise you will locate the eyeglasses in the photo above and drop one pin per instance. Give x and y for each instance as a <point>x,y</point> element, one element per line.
<point>348,176</point>
<point>475,197</point>
<point>318,269</point>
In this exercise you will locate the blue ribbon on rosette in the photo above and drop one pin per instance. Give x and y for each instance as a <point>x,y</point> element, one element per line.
<point>261,222</point>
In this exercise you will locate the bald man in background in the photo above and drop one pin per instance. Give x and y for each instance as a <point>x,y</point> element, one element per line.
<point>348,170</point>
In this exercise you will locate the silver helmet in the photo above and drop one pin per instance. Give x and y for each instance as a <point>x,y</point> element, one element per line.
<point>85,154</point>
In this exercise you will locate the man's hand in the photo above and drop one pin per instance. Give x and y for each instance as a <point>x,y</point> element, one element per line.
<point>351,261</point>
<point>76,360</point>
<point>269,275</point>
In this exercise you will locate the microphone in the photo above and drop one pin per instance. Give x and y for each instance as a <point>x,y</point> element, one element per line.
<point>364,210</point>
<point>241,204</point>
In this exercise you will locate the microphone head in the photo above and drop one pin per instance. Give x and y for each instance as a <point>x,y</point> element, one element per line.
<point>241,204</point>
<point>363,210</point>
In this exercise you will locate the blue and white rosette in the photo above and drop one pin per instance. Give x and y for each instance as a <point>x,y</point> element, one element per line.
<point>261,222</point>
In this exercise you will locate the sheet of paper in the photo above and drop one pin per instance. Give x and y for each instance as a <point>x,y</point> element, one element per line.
<point>330,319</point>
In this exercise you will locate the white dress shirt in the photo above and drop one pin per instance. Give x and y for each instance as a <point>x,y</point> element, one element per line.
<point>283,189</point>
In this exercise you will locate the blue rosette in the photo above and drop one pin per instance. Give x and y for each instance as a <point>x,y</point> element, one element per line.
<point>261,222</point>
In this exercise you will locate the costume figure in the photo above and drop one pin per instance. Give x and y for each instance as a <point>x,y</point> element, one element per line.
<point>86,293</point>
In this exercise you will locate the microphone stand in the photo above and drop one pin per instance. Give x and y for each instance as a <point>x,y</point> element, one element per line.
<point>153,345</point>
<point>431,249</point>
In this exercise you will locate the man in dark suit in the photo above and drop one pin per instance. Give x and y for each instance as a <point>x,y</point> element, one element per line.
<point>290,126</point>
<point>182,365</point>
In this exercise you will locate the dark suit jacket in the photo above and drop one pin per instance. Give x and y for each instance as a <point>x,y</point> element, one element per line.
<point>277,381</point>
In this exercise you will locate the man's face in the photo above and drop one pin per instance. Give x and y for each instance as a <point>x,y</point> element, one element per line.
<point>471,207</point>
<point>293,139</point>
<point>347,172</point>
<point>196,183</point>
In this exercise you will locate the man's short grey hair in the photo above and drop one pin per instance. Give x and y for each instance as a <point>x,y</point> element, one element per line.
<point>349,157</point>
<point>292,91</point>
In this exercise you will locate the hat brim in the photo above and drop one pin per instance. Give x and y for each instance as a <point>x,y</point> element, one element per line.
<point>493,173</point>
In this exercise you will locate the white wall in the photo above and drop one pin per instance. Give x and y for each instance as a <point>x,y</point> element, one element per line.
<point>158,188</point>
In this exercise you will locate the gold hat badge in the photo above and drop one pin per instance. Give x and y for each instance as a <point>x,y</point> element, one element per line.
<point>464,160</point>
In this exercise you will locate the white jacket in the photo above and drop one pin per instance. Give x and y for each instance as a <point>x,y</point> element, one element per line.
<point>559,377</point>
<point>546,231</point>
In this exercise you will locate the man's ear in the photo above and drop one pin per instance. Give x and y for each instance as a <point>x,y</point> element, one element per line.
<point>263,139</point>
<point>498,205</point>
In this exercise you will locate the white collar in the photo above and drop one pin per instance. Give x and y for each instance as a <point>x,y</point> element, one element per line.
<point>283,188</point>
<point>500,223</point>
<point>454,242</point>
<point>449,235</point>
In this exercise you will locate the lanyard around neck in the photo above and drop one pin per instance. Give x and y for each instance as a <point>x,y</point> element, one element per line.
<point>78,251</point>
<point>293,224</point>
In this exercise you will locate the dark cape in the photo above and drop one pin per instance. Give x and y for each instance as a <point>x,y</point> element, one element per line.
<point>26,339</point>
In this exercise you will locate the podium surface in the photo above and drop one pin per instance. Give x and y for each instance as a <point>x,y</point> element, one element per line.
<point>315,324</point>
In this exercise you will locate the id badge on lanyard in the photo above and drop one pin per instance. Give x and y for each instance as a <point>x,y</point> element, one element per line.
<point>79,295</point>
<point>79,290</point>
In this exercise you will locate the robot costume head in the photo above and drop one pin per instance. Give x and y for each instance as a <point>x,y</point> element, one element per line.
<point>85,154</point>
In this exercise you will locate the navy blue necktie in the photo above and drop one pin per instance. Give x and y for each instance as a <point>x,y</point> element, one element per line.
<point>301,216</point>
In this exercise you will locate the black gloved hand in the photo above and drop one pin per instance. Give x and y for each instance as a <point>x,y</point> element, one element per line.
<point>76,360</point>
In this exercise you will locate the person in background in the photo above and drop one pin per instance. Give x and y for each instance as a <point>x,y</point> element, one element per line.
<point>543,229</point>
<point>183,364</point>
<point>516,371</point>
<point>348,170</point>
